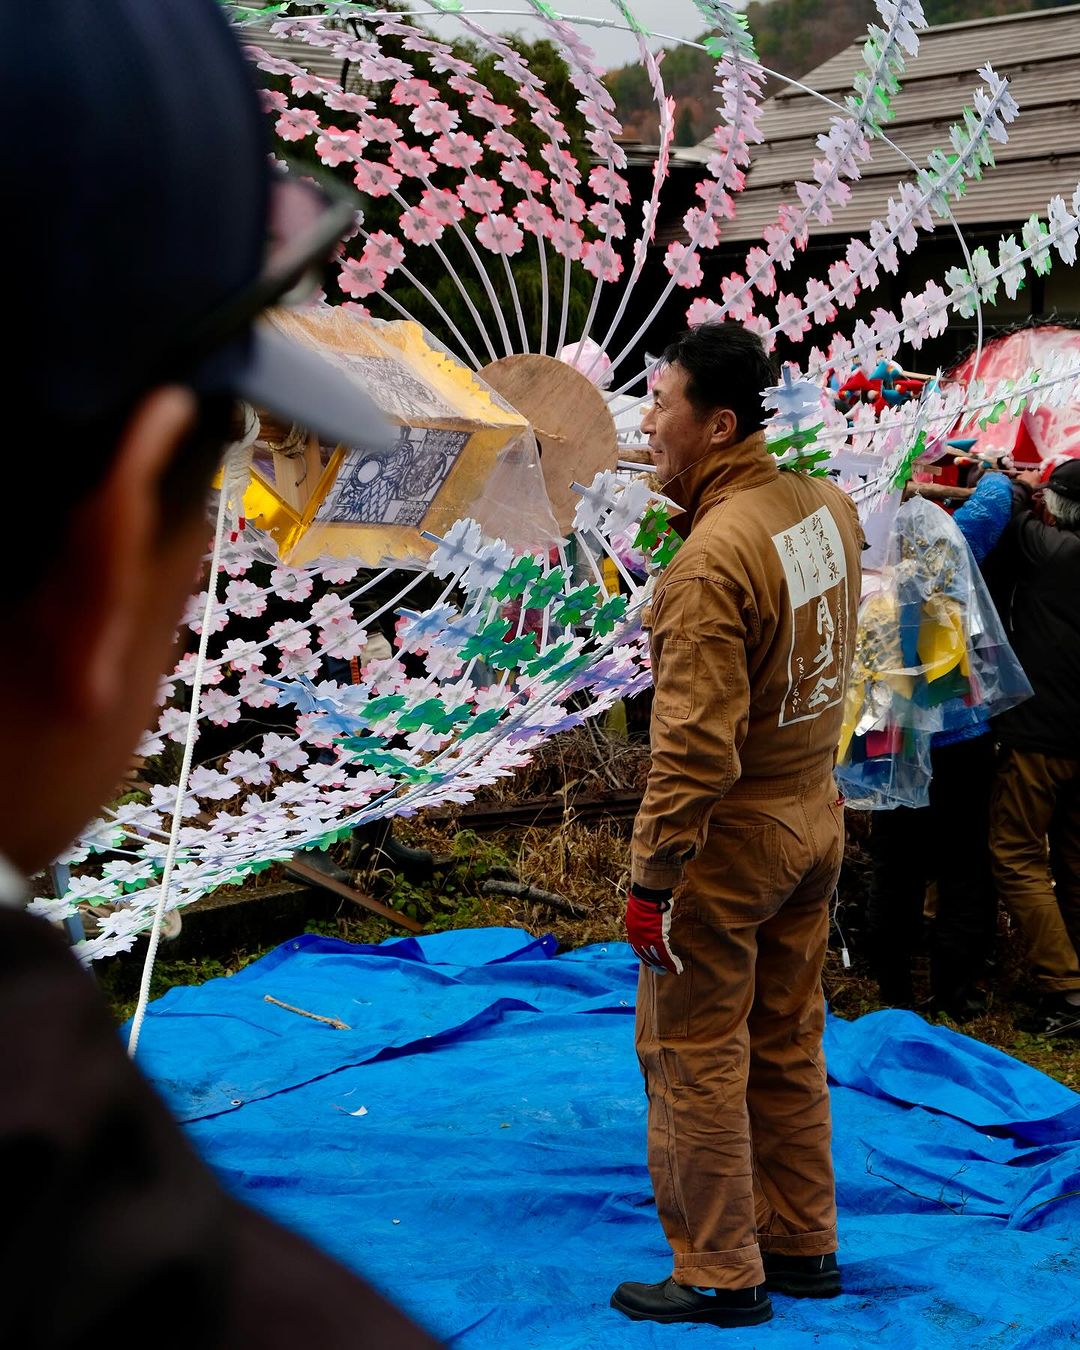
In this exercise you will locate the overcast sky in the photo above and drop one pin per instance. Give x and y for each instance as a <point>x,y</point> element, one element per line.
<point>675,18</point>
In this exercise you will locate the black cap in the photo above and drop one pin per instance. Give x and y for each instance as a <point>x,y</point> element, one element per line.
<point>137,202</point>
<point>1065,480</point>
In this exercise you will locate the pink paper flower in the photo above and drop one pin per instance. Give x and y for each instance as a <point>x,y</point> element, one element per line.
<point>567,239</point>
<point>759,324</point>
<point>360,278</point>
<point>420,227</point>
<point>308,84</point>
<point>272,100</point>
<point>600,260</point>
<point>598,117</point>
<point>411,160</point>
<point>384,68</point>
<point>382,250</point>
<point>862,263</point>
<point>535,217</point>
<point>457,150</point>
<point>442,205</point>
<point>608,219</point>
<point>381,129</point>
<point>412,93</point>
<point>500,234</point>
<point>738,298</point>
<point>498,114</point>
<point>781,245</point>
<point>377,180</point>
<point>340,101</point>
<point>704,311</point>
<point>760,268</point>
<point>844,282</point>
<point>701,225</point>
<point>819,302</point>
<point>518,174</point>
<point>464,84</point>
<point>790,319</point>
<point>336,147</point>
<point>434,119</point>
<point>684,265</point>
<point>608,184</point>
<point>503,143</point>
<point>561,163</point>
<point>444,61</point>
<point>295,124</point>
<point>567,202</point>
<point>482,195</point>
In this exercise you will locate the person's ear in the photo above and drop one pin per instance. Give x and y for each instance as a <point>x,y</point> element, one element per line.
<point>725,427</point>
<point>106,558</point>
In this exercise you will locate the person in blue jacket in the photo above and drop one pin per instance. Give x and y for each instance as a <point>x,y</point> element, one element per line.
<point>947,841</point>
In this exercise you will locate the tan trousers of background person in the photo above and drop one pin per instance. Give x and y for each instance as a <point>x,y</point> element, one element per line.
<point>1035,829</point>
<point>739,1125</point>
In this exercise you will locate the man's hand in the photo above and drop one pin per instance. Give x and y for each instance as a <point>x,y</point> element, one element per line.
<point>648,923</point>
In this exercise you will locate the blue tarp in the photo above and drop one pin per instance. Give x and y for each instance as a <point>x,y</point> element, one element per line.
<point>474,1144</point>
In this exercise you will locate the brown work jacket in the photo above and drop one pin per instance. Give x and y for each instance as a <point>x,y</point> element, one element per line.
<point>751,635</point>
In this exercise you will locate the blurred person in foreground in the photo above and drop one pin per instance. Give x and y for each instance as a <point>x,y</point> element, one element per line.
<point>737,846</point>
<point>145,234</point>
<point>1035,810</point>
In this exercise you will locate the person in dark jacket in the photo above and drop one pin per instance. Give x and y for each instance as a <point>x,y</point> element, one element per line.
<point>1035,815</point>
<point>142,238</point>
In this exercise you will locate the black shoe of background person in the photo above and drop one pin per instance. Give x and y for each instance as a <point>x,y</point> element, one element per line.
<point>802,1276</point>
<point>669,1301</point>
<point>1053,1015</point>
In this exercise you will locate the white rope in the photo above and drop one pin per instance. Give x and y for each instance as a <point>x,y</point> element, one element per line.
<point>237,453</point>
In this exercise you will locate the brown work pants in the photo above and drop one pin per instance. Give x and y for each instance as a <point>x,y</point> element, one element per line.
<point>1035,840</point>
<point>739,1124</point>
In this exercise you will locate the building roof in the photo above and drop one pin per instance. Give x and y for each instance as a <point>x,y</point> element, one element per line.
<point>1039,52</point>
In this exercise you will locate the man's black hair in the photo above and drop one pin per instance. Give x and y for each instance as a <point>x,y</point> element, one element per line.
<point>726,367</point>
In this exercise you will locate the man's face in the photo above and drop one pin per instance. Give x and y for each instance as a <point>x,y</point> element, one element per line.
<point>678,434</point>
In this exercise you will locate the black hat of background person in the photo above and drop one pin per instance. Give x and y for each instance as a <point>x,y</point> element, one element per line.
<point>1065,480</point>
<point>135,199</point>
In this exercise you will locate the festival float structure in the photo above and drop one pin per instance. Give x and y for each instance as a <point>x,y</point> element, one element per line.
<point>489,235</point>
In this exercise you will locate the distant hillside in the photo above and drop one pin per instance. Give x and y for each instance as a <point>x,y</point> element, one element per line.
<point>792,36</point>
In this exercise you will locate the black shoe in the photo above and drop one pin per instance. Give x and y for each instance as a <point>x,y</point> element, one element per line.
<point>672,1302</point>
<point>802,1276</point>
<point>1053,1016</point>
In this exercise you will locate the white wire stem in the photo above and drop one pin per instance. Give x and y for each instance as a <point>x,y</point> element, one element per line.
<point>451,272</point>
<point>499,48</point>
<point>540,7</point>
<point>642,250</point>
<point>414,280</point>
<point>590,558</point>
<point>485,280</point>
<point>720,185</point>
<point>185,768</point>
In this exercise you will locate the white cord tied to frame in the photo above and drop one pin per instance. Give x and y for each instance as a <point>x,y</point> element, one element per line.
<point>236,470</point>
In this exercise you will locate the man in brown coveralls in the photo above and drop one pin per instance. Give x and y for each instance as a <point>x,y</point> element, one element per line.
<point>737,846</point>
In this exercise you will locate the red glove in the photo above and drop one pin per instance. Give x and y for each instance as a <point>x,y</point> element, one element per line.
<point>648,923</point>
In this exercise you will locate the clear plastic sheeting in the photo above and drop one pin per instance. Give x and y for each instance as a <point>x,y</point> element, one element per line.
<point>931,657</point>
<point>514,505</point>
